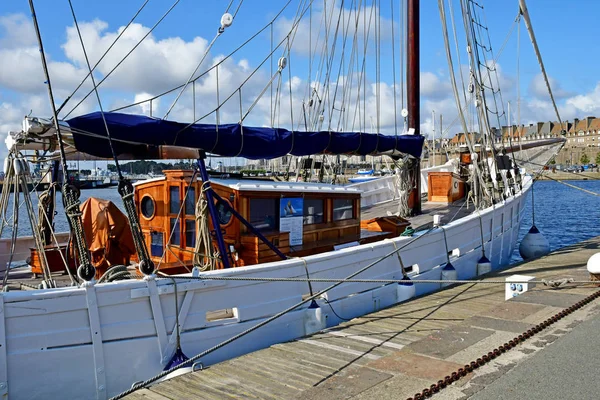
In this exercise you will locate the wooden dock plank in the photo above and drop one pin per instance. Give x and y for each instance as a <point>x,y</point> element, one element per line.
<point>314,367</point>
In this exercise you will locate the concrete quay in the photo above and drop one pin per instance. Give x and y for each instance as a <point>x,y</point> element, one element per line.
<point>570,176</point>
<point>397,352</point>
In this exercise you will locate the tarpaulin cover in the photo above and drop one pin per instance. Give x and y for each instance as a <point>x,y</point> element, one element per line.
<point>107,234</point>
<point>138,136</point>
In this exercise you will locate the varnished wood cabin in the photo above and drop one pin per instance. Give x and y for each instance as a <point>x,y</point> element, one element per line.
<point>330,218</point>
<point>445,187</point>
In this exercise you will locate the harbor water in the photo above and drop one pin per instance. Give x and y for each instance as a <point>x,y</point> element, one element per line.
<point>564,215</point>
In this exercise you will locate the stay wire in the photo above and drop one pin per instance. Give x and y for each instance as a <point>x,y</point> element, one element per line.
<point>102,58</point>
<point>123,59</point>
<point>220,31</point>
<point>50,93</point>
<point>216,65</point>
<point>95,90</point>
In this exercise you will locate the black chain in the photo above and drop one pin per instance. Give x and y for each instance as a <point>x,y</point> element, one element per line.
<point>146,265</point>
<point>71,203</point>
<point>485,358</point>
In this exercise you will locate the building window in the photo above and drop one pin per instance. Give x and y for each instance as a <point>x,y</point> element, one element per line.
<point>342,209</point>
<point>174,200</point>
<point>313,211</point>
<point>264,214</point>
<point>175,232</point>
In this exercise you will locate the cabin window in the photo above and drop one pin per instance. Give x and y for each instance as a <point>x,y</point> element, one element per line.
<point>313,211</point>
<point>174,200</point>
<point>175,232</point>
<point>147,207</point>
<point>157,244</point>
<point>264,214</point>
<point>190,203</point>
<point>342,209</point>
<point>190,233</point>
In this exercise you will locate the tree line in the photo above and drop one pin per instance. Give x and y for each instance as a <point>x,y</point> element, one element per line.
<point>144,167</point>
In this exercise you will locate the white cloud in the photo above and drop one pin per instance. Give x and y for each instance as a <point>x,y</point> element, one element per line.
<point>538,88</point>
<point>18,31</point>
<point>433,87</point>
<point>154,66</point>
<point>146,108</point>
<point>588,103</point>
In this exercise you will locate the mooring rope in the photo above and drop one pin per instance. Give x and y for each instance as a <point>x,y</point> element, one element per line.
<point>551,283</point>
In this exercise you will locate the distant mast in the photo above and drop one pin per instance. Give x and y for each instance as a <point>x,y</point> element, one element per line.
<point>413,88</point>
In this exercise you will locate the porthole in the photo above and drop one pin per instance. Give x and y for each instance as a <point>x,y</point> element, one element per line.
<point>148,207</point>
<point>224,214</point>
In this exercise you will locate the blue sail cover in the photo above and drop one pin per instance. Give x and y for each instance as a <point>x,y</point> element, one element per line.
<point>139,136</point>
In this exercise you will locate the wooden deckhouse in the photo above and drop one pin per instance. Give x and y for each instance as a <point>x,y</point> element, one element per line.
<point>298,218</point>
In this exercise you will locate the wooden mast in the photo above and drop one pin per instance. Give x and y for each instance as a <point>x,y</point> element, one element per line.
<point>413,90</point>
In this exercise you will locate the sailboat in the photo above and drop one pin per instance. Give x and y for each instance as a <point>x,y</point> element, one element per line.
<point>257,277</point>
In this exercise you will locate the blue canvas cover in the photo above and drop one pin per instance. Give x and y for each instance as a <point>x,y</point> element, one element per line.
<point>139,136</point>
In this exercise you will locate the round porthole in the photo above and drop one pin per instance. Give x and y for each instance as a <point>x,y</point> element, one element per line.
<point>147,207</point>
<point>224,214</point>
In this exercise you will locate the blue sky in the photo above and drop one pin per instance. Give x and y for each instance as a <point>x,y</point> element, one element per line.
<point>564,29</point>
<point>566,33</point>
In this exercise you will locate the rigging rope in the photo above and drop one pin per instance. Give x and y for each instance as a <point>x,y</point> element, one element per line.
<point>203,251</point>
<point>569,185</point>
<point>525,13</point>
<point>463,120</point>
<point>551,283</point>
<point>70,194</point>
<point>21,172</point>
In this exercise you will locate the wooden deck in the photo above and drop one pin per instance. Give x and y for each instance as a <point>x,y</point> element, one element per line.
<point>449,212</point>
<point>399,351</point>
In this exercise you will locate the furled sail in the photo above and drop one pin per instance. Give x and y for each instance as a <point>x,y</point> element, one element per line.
<point>140,136</point>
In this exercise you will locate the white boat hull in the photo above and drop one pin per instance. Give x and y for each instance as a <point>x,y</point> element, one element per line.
<point>94,342</point>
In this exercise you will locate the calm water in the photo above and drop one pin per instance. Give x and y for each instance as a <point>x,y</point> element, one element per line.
<point>60,221</point>
<point>563,214</point>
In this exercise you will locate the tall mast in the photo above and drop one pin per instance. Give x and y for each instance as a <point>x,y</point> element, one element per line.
<point>413,90</point>
<point>432,156</point>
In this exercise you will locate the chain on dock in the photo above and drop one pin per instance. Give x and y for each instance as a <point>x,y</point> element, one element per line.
<point>486,358</point>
